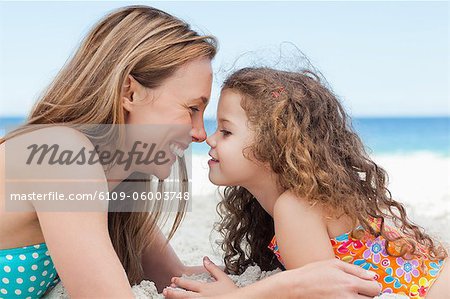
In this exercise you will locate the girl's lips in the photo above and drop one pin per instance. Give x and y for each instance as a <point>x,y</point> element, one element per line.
<point>212,162</point>
<point>212,158</point>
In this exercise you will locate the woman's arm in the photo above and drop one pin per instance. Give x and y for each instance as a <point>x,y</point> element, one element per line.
<point>160,262</point>
<point>301,232</point>
<point>83,254</point>
<point>319,280</point>
<point>76,232</point>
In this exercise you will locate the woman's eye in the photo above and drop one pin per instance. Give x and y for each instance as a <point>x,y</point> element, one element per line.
<point>194,108</point>
<point>225,132</point>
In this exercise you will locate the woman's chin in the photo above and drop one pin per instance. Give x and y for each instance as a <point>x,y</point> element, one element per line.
<point>164,171</point>
<point>161,172</point>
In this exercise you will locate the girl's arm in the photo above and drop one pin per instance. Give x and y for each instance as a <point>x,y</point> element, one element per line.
<point>300,231</point>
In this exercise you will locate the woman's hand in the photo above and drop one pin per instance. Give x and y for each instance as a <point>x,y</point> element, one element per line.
<point>222,284</point>
<point>330,279</point>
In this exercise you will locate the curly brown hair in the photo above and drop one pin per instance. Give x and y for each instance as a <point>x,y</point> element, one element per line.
<point>303,132</point>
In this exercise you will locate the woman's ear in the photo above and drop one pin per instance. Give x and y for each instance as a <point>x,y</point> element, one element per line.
<point>129,87</point>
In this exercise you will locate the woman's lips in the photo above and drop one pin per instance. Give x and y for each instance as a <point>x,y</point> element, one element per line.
<point>177,148</point>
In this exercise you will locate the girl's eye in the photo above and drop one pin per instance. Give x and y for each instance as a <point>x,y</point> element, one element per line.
<point>225,132</point>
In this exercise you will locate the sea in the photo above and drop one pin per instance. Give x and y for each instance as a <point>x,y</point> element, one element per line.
<point>381,135</point>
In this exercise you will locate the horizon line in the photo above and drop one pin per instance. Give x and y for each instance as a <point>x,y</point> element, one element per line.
<point>351,116</point>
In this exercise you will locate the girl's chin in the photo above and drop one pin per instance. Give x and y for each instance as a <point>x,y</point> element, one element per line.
<point>219,183</point>
<point>213,179</point>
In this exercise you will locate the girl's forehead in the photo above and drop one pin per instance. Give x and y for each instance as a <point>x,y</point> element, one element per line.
<point>229,98</point>
<point>230,110</point>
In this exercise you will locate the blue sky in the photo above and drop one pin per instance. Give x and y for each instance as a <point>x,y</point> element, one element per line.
<point>381,58</point>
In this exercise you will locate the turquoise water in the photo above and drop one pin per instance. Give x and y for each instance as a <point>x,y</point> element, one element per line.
<point>380,135</point>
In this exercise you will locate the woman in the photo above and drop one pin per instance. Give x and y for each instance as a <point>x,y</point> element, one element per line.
<point>138,66</point>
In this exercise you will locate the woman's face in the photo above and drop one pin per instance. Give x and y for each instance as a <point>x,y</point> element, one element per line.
<point>228,166</point>
<point>171,115</point>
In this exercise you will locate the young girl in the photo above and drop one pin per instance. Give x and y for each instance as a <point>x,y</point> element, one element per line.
<point>301,188</point>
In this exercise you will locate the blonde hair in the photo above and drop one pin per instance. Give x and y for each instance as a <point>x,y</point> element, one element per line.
<point>141,41</point>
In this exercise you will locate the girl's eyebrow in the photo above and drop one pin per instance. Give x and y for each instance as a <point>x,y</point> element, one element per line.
<point>225,120</point>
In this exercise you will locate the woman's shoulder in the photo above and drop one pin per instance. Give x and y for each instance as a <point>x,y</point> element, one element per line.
<point>49,149</point>
<point>51,134</point>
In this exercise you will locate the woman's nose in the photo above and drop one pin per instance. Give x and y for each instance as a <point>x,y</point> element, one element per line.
<point>198,134</point>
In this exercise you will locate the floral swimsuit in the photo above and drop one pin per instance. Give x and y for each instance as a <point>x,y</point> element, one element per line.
<point>410,277</point>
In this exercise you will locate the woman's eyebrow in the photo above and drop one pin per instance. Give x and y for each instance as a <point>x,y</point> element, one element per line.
<point>204,99</point>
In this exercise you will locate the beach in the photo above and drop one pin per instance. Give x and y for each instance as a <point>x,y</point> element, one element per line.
<point>377,70</point>
<point>419,180</point>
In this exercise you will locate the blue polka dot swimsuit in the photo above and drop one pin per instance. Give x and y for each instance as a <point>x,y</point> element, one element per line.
<point>26,272</point>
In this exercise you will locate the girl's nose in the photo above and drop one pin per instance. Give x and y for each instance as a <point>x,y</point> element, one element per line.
<point>211,141</point>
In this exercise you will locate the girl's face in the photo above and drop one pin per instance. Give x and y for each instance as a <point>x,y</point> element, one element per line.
<point>171,115</point>
<point>228,166</point>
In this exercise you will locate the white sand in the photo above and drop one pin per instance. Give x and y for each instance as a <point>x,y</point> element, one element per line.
<point>420,181</point>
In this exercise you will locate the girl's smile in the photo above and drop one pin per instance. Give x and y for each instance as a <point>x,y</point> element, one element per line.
<point>212,161</point>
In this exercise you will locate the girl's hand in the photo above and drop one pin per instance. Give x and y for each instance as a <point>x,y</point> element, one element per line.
<point>196,270</point>
<point>222,284</point>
